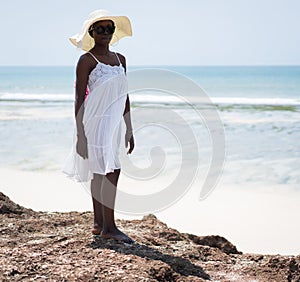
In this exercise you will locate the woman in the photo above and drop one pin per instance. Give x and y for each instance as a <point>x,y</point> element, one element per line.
<point>98,115</point>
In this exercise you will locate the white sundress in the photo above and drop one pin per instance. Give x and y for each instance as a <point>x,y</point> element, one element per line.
<point>103,113</point>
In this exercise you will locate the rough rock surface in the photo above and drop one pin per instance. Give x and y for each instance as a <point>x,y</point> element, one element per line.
<point>43,246</point>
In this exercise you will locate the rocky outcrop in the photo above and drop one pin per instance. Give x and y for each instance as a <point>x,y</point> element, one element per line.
<point>39,246</point>
<point>7,206</point>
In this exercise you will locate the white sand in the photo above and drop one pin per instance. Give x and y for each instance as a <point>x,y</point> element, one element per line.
<point>255,221</point>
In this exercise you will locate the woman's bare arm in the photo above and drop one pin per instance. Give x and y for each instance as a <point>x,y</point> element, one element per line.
<point>127,117</point>
<point>82,73</point>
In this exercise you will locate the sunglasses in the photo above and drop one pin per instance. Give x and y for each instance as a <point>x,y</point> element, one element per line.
<point>110,29</point>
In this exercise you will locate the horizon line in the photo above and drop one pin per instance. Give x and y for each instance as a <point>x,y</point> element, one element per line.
<point>164,65</point>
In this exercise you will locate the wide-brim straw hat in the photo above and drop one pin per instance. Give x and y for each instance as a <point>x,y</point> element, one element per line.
<point>84,41</point>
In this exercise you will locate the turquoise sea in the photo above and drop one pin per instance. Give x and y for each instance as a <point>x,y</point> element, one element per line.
<point>259,107</point>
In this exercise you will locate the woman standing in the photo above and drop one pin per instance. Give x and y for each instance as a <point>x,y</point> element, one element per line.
<point>98,114</point>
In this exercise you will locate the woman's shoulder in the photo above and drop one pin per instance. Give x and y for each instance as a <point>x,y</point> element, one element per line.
<point>86,57</point>
<point>86,60</point>
<point>122,59</point>
<point>86,63</point>
<point>120,55</point>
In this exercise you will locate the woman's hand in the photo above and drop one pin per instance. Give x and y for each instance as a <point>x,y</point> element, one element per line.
<point>129,139</point>
<point>81,146</point>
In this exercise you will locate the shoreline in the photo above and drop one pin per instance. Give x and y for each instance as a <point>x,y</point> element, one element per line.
<point>256,221</point>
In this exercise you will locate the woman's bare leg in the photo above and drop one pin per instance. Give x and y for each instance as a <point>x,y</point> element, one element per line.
<point>96,184</point>
<point>108,196</point>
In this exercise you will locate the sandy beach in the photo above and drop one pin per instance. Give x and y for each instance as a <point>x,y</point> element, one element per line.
<point>256,221</point>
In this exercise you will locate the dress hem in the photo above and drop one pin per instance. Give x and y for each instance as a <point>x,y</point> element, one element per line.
<point>76,177</point>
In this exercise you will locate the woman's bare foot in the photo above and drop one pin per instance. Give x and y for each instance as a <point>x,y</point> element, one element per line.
<point>118,235</point>
<point>97,229</point>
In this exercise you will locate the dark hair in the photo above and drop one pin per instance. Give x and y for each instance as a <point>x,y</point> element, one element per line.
<point>90,30</point>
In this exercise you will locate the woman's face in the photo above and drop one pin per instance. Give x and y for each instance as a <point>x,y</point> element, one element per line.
<point>103,31</point>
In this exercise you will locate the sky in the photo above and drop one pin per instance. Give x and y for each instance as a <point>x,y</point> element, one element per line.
<point>165,32</point>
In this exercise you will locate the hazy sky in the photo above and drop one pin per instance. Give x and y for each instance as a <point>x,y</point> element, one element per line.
<point>165,32</point>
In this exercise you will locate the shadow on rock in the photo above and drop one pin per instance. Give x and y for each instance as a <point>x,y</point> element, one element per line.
<point>177,264</point>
